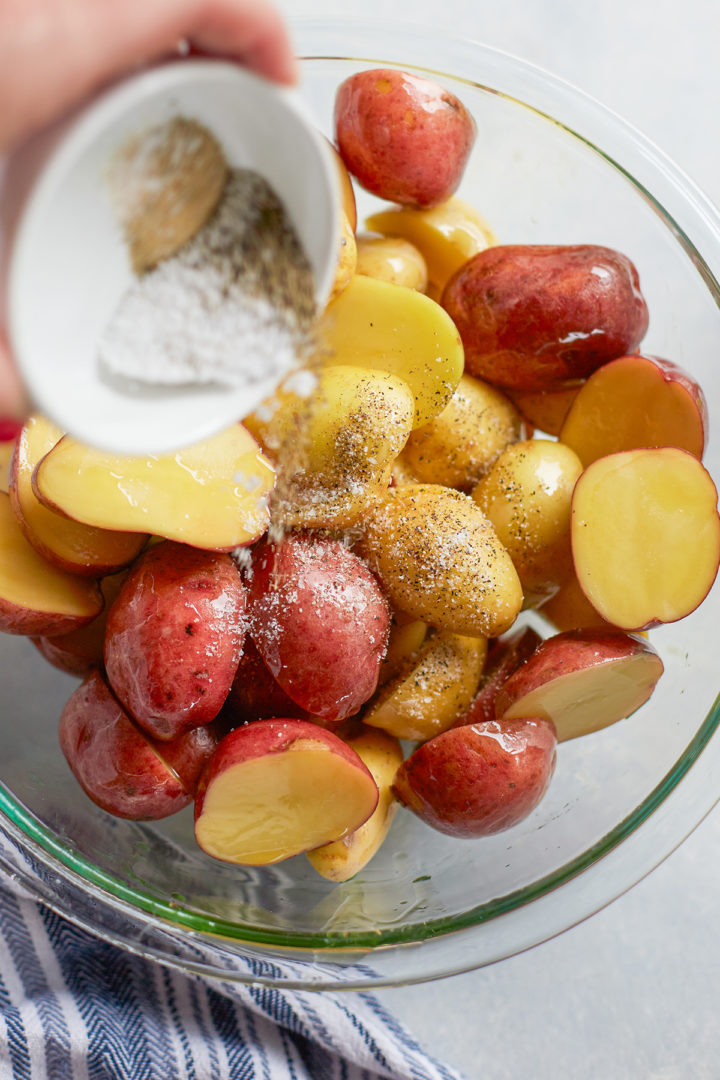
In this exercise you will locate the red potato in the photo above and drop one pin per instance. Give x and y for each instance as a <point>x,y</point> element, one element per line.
<point>81,651</point>
<point>505,655</point>
<point>545,409</point>
<point>403,137</point>
<point>174,637</point>
<point>633,402</point>
<point>479,779</point>
<point>279,787</point>
<point>320,622</point>
<point>533,317</point>
<point>582,680</point>
<point>570,609</point>
<point>645,536</point>
<point>113,761</point>
<point>188,755</point>
<point>255,694</point>
<point>37,598</point>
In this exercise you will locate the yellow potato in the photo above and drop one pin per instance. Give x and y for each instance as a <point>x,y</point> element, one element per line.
<point>446,235</point>
<point>406,638</point>
<point>6,453</point>
<point>386,327</point>
<point>401,475</point>
<point>342,859</point>
<point>390,258</point>
<point>334,448</point>
<point>459,446</point>
<point>527,497</point>
<point>429,695</point>
<point>347,192</point>
<point>347,260</point>
<point>440,560</point>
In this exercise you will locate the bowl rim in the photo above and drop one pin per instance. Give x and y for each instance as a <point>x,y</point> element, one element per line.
<point>692,202</point>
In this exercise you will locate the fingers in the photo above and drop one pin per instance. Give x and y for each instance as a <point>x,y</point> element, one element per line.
<point>55,52</point>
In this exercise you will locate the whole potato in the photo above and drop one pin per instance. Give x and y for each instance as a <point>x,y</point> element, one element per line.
<point>479,779</point>
<point>527,496</point>
<point>174,636</point>
<point>390,258</point>
<point>113,761</point>
<point>460,445</point>
<point>440,560</point>
<point>532,317</point>
<point>320,622</point>
<point>404,138</point>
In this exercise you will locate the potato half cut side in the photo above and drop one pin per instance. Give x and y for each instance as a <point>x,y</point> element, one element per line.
<point>645,536</point>
<point>35,596</point>
<point>212,495</point>
<point>80,549</point>
<point>277,788</point>
<point>379,325</point>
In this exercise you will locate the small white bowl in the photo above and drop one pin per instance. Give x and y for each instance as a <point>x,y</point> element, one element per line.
<point>68,264</point>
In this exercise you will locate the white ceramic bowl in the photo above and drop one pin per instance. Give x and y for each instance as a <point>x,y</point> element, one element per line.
<point>68,265</point>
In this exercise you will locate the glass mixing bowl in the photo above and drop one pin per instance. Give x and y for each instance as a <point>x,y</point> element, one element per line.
<point>550,166</point>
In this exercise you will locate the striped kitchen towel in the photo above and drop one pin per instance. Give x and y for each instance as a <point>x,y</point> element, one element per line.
<point>75,1008</point>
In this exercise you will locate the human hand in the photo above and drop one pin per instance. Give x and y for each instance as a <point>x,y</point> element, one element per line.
<point>53,53</point>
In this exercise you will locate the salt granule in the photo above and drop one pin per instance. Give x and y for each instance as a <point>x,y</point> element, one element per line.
<point>235,305</point>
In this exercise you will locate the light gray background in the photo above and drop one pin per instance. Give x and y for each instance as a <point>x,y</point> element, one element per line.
<point>635,991</point>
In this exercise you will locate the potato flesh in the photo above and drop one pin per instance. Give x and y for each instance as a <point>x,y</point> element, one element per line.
<point>433,691</point>
<point>460,445</point>
<point>273,807</point>
<point>588,700</point>
<point>440,560</point>
<point>630,403</point>
<point>645,536</point>
<point>447,235</point>
<point>335,448</point>
<point>6,453</point>
<point>81,548</point>
<point>390,258</point>
<point>28,582</point>
<point>342,859</point>
<point>211,495</point>
<point>389,328</point>
<point>527,496</point>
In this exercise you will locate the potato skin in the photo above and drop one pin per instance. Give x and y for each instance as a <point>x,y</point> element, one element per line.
<point>479,779</point>
<point>255,694</point>
<point>174,637</point>
<point>532,317</point>
<point>403,137</point>
<point>320,623</point>
<point>112,760</point>
<point>440,560</point>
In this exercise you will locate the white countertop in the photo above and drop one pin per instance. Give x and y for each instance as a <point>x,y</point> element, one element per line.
<point>631,993</point>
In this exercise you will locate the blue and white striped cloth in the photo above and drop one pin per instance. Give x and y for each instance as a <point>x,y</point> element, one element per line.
<point>75,1008</point>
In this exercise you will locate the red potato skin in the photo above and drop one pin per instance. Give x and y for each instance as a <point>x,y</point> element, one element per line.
<point>65,659</point>
<point>174,637</point>
<point>534,317</point>
<point>403,137</point>
<point>112,760</point>
<point>189,754</point>
<point>479,779</point>
<point>320,622</point>
<point>17,620</point>
<point>270,737</point>
<point>255,694</point>
<point>504,657</point>
<point>81,651</point>
<point>572,650</point>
